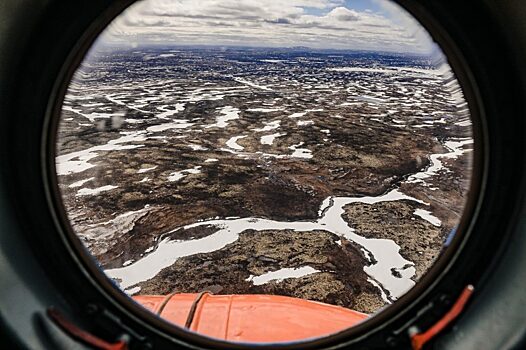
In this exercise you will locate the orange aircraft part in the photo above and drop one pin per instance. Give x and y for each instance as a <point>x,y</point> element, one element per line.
<point>251,318</point>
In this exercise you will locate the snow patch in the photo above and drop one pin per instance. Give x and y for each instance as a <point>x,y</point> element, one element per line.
<point>94,191</point>
<point>176,124</point>
<point>426,215</point>
<point>144,170</point>
<point>228,113</point>
<point>269,126</point>
<point>264,110</point>
<point>232,143</point>
<point>385,252</point>
<point>282,274</point>
<point>304,153</point>
<point>133,291</point>
<point>80,183</point>
<point>178,175</point>
<point>77,162</point>
<point>269,139</point>
<point>197,147</point>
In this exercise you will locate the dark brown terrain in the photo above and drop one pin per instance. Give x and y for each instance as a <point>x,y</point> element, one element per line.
<point>145,148</point>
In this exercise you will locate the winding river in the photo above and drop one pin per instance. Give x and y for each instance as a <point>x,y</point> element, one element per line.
<point>386,253</point>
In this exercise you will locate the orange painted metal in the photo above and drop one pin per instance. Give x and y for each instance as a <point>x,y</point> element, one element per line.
<point>253,318</point>
<point>418,340</point>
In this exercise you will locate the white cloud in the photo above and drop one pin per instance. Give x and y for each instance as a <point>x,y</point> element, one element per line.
<point>314,23</point>
<point>343,14</point>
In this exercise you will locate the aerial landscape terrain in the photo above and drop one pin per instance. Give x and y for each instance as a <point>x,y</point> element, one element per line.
<point>334,176</point>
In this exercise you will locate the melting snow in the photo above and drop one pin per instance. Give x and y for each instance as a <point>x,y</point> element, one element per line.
<point>197,147</point>
<point>80,183</point>
<point>178,175</point>
<point>377,285</point>
<point>386,252</point>
<point>248,83</point>
<point>176,124</point>
<point>232,142</point>
<point>146,169</point>
<point>179,107</point>
<point>275,61</point>
<point>297,115</point>
<point>269,139</point>
<point>94,191</point>
<point>133,291</point>
<point>269,126</point>
<point>305,122</point>
<point>464,123</point>
<point>77,162</point>
<point>264,110</point>
<point>282,274</point>
<point>456,149</point>
<point>300,152</point>
<point>227,113</point>
<point>301,114</point>
<point>426,215</point>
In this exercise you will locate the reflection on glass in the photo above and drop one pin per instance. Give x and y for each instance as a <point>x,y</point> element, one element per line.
<point>241,157</point>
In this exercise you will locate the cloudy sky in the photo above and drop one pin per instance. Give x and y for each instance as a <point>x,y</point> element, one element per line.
<point>377,25</point>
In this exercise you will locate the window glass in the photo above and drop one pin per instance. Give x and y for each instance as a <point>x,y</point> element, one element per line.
<point>311,149</point>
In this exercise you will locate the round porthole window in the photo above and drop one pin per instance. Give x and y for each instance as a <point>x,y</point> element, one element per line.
<point>265,172</point>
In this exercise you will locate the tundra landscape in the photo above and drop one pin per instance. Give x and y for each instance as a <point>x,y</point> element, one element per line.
<point>335,176</point>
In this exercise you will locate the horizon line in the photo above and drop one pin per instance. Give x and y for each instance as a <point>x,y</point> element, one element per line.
<point>299,48</point>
